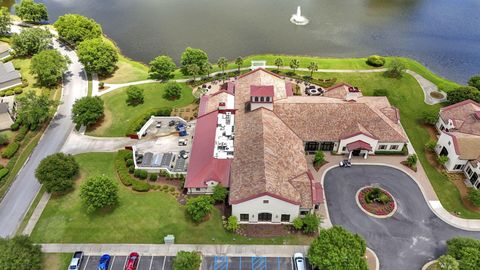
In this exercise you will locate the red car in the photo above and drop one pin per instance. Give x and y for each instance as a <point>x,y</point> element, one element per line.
<point>132,261</point>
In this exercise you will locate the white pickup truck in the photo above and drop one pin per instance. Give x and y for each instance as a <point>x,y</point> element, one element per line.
<point>76,261</point>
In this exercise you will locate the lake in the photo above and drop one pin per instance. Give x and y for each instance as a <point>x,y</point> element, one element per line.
<point>442,34</point>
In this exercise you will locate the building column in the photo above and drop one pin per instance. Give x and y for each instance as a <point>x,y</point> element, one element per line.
<point>366,155</point>
<point>350,155</point>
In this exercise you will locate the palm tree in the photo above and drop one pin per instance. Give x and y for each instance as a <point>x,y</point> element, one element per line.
<point>239,63</point>
<point>222,63</point>
<point>294,64</point>
<point>278,63</point>
<point>207,67</point>
<point>193,70</point>
<point>312,67</point>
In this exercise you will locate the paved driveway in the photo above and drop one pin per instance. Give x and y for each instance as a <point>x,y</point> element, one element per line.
<point>408,239</point>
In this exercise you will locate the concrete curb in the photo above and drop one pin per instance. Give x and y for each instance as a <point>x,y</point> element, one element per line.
<point>371,214</point>
<point>428,264</point>
<point>377,262</point>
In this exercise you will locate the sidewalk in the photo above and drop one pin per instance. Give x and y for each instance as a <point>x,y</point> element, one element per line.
<point>172,249</point>
<point>419,177</point>
<point>77,143</point>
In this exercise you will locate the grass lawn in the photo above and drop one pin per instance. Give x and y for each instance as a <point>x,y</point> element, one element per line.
<point>407,96</point>
<point>56,261</point>
<point>115,105</point>
<point>127,71</point>
<point>139,217</point>
<point>24,65</point>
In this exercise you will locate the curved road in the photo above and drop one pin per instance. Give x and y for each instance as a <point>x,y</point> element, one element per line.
<point>408,239</point>
<point>23,191</point>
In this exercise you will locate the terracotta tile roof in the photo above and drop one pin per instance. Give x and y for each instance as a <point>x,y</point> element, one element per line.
<point>339,91</point>
<point>328,119</point>
<point>261,90</point>
<point>463,116</point>
<point>467,146</point>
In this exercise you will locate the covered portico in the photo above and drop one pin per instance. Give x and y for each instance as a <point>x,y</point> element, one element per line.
<point>358,148</point>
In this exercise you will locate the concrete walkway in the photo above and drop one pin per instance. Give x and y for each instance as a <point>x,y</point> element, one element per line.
<point>95,84</point>
<point>37,213</point>
<point>77,143</point>
<point>428,87</point>
<point>172,249</point>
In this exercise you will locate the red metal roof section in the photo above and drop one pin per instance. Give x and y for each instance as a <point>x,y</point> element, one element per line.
<point>359,145</point>
<point>203,166</point>
<point>261,91</point>
<point>358,133</point>
<point>203,105</point>
<point>289,89</point>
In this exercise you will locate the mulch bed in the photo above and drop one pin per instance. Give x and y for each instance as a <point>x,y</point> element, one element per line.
<point>413,168</point>
<point>374,207</point>
<point>264,230</point>
<point>175,182</point>
<point>318,166</point>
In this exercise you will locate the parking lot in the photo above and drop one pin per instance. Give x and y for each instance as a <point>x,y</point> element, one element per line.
<point>248,263</point>
<point>118,263</point>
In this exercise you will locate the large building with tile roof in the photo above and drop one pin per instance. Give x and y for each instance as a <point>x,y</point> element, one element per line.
<point>269,178</point>
<point>459,140</point>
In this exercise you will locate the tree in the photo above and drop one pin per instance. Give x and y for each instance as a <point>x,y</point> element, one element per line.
<point>186,260</point>
<point>162,67</point>
<point>474,81</point>
<point>199,207</point>
<point>470,259</point>
<point>294,64</point>
<point>98,56</point>
<point>463,93</point>
<point>207,67</point>
<point>34,110</point>
<point>278,63</point>
<point>447,262</point>
<point>376,60</point>
<point>76,28</point>
<point>232,224</point>
<point>193,56</point>
<point>474,196</point>
<point>455,246</point>
<point>87,110</point>
<point>193,70</point>
<point>173,91</point>
<point>48,66</point>
<point>56,172</point>
<point>99,192</point>
<point>20,253</point>
<point>310,223</point>
<point>336,248</point>
<point>31,41</point>
<point>5,21</point>
<point>395,69</point>
<point>134,95</point>
<point>430,145</point>
<point>30,11</point>
<point>319,158</point>
<point>239,63</point>
<point>312,67</point>
<point>222,63</point>
<point>219,193</point>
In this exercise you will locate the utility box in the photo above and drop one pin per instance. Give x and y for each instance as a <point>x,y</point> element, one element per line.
<point>169,239</point>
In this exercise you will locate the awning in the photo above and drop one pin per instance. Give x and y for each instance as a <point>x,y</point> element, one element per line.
<point>359,145</point>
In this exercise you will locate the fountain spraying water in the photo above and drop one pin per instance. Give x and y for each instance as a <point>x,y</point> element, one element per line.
<point>298,19</point>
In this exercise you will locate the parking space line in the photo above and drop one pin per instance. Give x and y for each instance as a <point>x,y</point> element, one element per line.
<point>215,263</point>
<point>240,263</point>
<point>110,265</point>
<point>164,260</point>
<point>278,262</point>
<point>151,261</point>
<point>139,258</point>
<point>125,262</point>
<point>85,266</point>
<point>291,260</point>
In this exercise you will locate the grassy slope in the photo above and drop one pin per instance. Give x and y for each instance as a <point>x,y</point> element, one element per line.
<point>139,217</point>
<point>115,105</point>
<point>406,94</point>
<point>56,261</point>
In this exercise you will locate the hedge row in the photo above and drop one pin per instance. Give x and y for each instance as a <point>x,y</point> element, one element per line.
<point>3,172</point>
<point>10,150</point>
<point>125,176</point>
<point>138,123</point>
<point>11,92</point>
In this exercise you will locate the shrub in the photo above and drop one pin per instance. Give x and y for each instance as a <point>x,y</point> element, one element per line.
<point>134,95</point>
<point>310,223</point>
<point>232,224</point>
<point>455,246</point>
<point>153,177</point>
<point>10,150</point>
<point>442,159</point>
<point>124,175</point>
<point>3,139</point>
<point>187,261</point>
<point>9,93</point>
<point>131,168</point>
<point>101,85</point>
<point>430,145</point>
<point>219,193</point>
<point>142,174</point>
<point>18,90</point>
<point>199,207</point>
<point>376,60</point>
<point>2,93</point>
<point>319,158</point>
<point>129,162</point>
<point>15,126</point>
<point>173,91</point>
<point>463,93</point>
<point>380,92</point>
<point>412,160</point>
<point>474,196</point>
<point>395,69</point>
<point>429,117</point>
<point>474,81</point>
<point>140,186</point>
<point>98,192</point>
<point>3,172</point>
<point>297,223</point>
<point>447,262</point>
<point>21,134</point>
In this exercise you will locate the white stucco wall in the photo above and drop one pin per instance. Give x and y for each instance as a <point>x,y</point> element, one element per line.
<point>389,146</point>
<point>274,206</point>
<point>204,190</point>
<point>473,169</point>
<point>453,159</point>
<point>344,142</point>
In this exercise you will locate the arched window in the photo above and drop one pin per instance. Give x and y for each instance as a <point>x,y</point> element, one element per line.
<point>265,217</point>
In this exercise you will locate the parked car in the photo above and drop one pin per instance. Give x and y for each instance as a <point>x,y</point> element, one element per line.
<point>299,261</point>
<point>76,260</point>
<point>184,154</point>
<point>182,142</point>
<point>132,261</point>
<point>104,262</point>
<point>158,125</point>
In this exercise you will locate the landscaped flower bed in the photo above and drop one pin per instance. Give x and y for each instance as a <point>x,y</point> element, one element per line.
<point>376,201</point>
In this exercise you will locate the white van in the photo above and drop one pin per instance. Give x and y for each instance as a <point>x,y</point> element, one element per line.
<point>299,261</point>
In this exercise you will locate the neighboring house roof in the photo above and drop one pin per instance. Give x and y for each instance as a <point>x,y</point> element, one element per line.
<point>463,116</point>
<point>8,72</point>
<point>203,166</point>
<point>328,119</point>
<point>5,118</point>
<point>466,146</point>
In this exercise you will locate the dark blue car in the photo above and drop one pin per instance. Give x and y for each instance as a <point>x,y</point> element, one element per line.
<point>104,261</point>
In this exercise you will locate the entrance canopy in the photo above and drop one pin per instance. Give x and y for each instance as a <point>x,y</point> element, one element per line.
<point>359,145</point>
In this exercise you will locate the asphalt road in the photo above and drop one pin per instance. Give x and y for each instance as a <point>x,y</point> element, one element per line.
<point>413,236</point>
<point>25,187</point>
